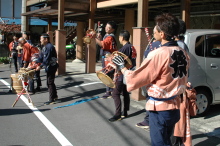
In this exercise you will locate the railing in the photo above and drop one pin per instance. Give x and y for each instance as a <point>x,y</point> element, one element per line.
<point>70,33</point>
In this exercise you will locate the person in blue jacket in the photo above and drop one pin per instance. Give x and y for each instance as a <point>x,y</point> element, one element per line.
<point>48,60</point>
<point>129,50</point>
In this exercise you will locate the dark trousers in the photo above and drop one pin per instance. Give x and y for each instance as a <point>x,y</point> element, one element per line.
<point>108,89</point>
<point>15,58</point>
<point>146,118</point>
<point>20,62</point>
<point>103,62</point>
<point>38,80</point>
<point>120,88</point>
<point>161,126</point>
<point>50,82</point>
<point>97,52</point>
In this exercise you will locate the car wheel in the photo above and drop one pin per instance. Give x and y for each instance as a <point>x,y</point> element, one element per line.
<point>203,101</point>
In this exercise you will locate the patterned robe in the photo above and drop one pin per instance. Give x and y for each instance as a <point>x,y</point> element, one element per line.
<point>188,108</point>
<point>164,73</point>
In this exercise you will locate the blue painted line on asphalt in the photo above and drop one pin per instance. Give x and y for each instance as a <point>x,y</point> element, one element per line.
<point>77,102</point>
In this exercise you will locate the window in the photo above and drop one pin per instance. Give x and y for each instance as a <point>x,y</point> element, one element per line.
<point>213,46</point>
<point>199,47</point>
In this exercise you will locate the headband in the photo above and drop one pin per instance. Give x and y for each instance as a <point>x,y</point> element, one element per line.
<point>45,36</point>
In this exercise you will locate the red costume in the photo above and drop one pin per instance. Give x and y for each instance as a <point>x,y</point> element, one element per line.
<point>34,50</point>
<point>109,44</point>
<point>11,45</point>
<point>28,51</point>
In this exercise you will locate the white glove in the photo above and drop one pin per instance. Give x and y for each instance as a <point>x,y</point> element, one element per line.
<point>119,62</point>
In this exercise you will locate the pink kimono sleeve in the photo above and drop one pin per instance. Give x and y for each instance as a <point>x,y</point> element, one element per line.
<point>146,73</point>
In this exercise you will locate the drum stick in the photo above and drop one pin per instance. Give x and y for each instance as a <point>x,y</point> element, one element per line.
<point>149,39</point>
<point>98,25</point>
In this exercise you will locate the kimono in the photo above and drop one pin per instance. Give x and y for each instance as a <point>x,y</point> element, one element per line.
<point>109,44</point>
<point>26,52</point>
<point>188,108</point>
<point>163,75</point>
<point>34,50</point>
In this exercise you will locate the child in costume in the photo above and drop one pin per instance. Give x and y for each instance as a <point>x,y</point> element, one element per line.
<point>33,65</point>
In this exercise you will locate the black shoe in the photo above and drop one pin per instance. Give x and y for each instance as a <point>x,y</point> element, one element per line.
<point>106,95</point>
<point>142,125</point>
<point>114,118</point>
<point>124,114</point>
<point>49,102</point>
<point>177,141</point>
<point>56,98</point>
<point>38,89</point>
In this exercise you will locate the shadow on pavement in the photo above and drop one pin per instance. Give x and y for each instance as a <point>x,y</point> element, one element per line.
<point>135,113</point>
<point>211,141</point>
<point>90,94</point>
<point>66,99</point>
<point>59,87</point>
<point>5,78</point>
<point>114,126</point>
<point>73,73</point>
<point>213,111</point>
<point>15,111</point>
<point>71,82</point>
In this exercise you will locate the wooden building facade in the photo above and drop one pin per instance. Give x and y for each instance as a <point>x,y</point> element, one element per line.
<point>134,15</point>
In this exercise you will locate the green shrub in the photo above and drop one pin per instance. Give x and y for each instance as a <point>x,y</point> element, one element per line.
<point>4,59</point>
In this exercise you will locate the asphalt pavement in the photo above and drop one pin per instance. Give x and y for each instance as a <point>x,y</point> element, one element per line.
<point>208,124</point>
<point>86,123</point>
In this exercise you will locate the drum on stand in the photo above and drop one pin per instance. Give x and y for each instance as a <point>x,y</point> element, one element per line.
<point>16,84</point>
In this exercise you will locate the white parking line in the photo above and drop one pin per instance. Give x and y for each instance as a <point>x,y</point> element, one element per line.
<point>56,133</point>
<point>87,84</point>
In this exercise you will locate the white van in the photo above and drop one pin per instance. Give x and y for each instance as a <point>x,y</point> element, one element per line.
<point>204,72</point>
